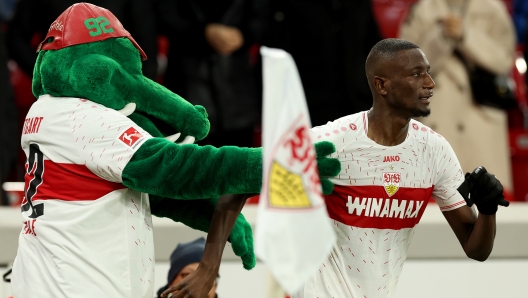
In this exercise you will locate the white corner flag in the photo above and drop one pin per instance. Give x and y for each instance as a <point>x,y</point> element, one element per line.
<point>293,231</point>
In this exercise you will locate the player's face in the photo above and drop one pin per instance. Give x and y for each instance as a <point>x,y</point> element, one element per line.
<point>411,84</point>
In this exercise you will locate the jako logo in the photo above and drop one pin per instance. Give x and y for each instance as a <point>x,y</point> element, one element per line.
<point>391,158</point>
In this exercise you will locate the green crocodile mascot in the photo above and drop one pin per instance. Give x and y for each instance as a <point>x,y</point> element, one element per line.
<point>102,157</point>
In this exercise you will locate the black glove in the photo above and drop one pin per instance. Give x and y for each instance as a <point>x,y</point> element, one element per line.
<point>484,190</point>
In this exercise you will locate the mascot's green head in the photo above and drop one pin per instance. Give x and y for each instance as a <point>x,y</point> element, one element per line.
<point>87,53</point>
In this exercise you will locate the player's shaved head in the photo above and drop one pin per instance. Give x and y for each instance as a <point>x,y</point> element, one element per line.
<point>398,75</point>
<point>383,54</point>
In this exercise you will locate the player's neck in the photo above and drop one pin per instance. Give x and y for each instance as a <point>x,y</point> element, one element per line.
<point>386,129</point>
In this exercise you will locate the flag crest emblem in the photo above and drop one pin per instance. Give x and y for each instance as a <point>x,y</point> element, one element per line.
<point>391,182</point>
<point>286,188</point>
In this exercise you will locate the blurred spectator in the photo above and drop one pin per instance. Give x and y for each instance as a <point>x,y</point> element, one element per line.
<point>329,41</point>
<point>9,136</point>
<point>6,9</point>
<point>520,13</point>
<point>34,16</point>
<point>209,62</point>
<point>454,35</point>
<point>183,261</point>
<point>520,17</point>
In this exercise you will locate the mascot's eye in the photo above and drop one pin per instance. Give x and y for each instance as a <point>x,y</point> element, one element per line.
<point>50,40</point>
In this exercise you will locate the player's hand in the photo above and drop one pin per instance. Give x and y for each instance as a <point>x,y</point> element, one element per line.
<point>328,167</point>
<point>195,285</point>
<point>241,239</point>
<point>484,190</point>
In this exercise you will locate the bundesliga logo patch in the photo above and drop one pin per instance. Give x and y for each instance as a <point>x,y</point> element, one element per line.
<point>391,182</point>
<point>131,137</point>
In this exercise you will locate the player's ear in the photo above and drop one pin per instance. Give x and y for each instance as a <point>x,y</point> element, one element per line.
<point>380,85</point>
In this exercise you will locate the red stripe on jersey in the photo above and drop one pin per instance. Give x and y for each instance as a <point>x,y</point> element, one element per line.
<point>371,206</point>
<point>70,182</point>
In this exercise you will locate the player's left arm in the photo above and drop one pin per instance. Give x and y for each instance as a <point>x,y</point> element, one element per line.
<point>475,232</point>
<point>485,191</point>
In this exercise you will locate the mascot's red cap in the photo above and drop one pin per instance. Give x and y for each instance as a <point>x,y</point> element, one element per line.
<point>84,23</point>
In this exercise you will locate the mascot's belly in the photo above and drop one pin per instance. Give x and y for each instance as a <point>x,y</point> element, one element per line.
<point>84,234</point>
<point>102,248</point>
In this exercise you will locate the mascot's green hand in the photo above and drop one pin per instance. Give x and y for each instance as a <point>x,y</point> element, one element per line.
<point>328,167</point>
<point>241,239</point>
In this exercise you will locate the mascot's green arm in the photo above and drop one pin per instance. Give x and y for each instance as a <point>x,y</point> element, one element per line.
<point>190,171</point>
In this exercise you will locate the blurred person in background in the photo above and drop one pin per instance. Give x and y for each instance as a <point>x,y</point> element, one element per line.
<point>209,62</point>
<point>329,41</point>
<point>519,14</point>
<point>520,18</point>
<point>9,136</point>
<point>32,17</point>
<point>456,35</point>
<point>183,261</point>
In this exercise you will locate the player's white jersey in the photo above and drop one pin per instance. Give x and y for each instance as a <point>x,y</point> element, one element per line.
<point>84,234</point>
<point>380,195</point>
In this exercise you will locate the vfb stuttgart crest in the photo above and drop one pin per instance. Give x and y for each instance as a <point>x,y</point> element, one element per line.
<point>391,182</point>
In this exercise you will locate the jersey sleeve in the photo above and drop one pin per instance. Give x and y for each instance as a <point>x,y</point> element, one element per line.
<point>449,176</point>
<point>106,140</point>
<point>332,132</point>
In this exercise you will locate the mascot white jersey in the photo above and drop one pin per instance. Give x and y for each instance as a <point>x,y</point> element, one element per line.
<point>78,219</point>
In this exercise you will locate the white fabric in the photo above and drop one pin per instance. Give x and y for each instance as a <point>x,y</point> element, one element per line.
<point>292,215</point>
<point>379,197</point>
<point>94,238</point>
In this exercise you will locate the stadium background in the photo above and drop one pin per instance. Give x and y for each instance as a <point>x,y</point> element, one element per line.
<point>436,266</point>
